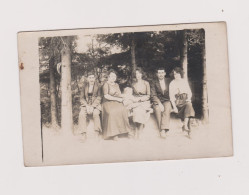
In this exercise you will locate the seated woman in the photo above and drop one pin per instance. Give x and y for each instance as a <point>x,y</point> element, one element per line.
<point>180,97</point>
<point>114,113</point>
<point>141,107</point>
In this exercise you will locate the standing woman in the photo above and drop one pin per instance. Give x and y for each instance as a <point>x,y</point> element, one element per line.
<point>180,97</point>
<point>115,115</point>
<point>142,107</point>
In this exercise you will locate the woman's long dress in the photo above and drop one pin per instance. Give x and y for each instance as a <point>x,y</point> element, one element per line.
<point>114,114</point>
<point>181,94</point>
<point>141,110</point>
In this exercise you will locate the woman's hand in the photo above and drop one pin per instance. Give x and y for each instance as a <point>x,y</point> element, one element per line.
<point>144,98</point>
<point>175,110</point>
<point>120,100</point>
<point>188,100</point>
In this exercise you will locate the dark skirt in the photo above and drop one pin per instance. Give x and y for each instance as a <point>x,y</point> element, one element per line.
<point>185,110</point>
<point>114,119</point>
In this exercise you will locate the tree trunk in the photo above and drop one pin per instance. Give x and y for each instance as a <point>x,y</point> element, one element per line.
<point>77,83</point>
<point>184,53</point>
<point>53,107</point>
<point>66,94</point>
<point>133,57</point>
<point>204,87</point>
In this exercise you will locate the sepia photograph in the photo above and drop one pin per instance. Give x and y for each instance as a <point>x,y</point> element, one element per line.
<point>126,94</point>
<point>124,97</point>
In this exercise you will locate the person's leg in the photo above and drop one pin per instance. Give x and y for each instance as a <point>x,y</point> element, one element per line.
<point>138,129</point>
<point>185,113</point>
<point>166,115</point>
<point>158,115</point>
<point>188,110</point>
<point>97,123</point>
<point>185,123</point>
<point>82,123</point>
<point>96,120</point>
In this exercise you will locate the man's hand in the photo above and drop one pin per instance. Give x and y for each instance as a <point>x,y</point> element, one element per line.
<point>161,107</point>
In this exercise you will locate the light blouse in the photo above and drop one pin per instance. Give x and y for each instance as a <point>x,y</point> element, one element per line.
<point>179,87</point>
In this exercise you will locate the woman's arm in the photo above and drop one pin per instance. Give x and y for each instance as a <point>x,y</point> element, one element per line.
<point>188,91</point>
<point>113,98</point>
<point>172,95</point>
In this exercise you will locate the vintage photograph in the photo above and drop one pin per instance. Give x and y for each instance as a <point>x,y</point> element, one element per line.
<point>125,96</point>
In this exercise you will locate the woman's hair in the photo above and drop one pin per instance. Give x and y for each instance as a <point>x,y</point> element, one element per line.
<point>140,70</point>
<point>178,70</point>
<point>112,71</point>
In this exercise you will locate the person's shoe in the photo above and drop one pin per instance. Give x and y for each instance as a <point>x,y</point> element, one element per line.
<point>188,131</point>
<point>163,134</point>
<point>115,138</point>
<point>97,135</point>
<point>131,135</point>
<point>83,137</point>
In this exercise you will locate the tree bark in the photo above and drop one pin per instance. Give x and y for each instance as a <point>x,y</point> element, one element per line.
<point>133,57</point>
<point>53,107</point>
<point>184,53</point>
<point>204,87</point>
<point>66,93</point>
<point>77,83</point>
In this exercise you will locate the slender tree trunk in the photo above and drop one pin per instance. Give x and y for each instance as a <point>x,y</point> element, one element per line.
<point>184,53</point>
<point>77,83</point>
<point>54,117</point>
<point>48,89</point>
<point>66,93</point>
<point>204,87</point>
<point>133,57</point>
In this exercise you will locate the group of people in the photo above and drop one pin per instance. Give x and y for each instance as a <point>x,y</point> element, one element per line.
<point>112,109</point>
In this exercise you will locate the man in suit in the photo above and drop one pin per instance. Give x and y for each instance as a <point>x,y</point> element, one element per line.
<point>161,101</point>
<point>90,100</point>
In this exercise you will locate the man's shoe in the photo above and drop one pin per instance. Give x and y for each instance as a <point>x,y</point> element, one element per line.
<point>163,134</point>
<point>188,131</point>
<point>97,135</point>
<point>83,137</point>
<point>115,138</point>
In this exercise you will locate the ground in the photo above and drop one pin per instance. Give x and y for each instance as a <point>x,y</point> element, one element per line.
<point>66,148</point>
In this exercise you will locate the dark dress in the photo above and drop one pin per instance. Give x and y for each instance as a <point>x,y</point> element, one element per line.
<point>114,114</point>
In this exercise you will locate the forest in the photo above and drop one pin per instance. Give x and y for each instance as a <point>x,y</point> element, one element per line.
<point>63,67</point>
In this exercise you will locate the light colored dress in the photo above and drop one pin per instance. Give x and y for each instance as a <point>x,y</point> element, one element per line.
<point>141,110</point>
<point>114,114</point>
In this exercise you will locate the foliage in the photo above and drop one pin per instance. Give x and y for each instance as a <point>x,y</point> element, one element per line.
<point>152,50</point>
